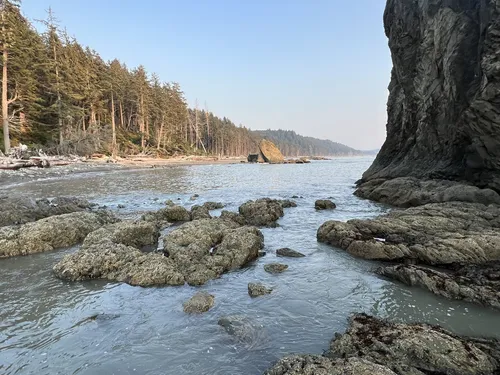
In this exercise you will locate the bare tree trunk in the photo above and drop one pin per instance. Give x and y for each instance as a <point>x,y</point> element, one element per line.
<point>141,121</point>
<point>122,123</point>
<point>5,104</point>
<point>113,124</point>
<point>196,125</point>
<point>160,135</point>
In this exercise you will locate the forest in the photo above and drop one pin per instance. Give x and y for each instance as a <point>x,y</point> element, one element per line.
<point>62,97</point>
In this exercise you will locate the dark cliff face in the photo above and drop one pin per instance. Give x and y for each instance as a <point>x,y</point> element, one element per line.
<point>444,101</point>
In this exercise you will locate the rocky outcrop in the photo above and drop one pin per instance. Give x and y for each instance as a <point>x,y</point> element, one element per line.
<point>475,284</point>
<point>415,349</point>
<point>201,302</point>
<point>374,346</point>
<point>443,117</point>
<point>434,234</point>
<point>270,153</point>
<point>51,233</point>
<point>410,192</point>
<point>262,212</point>
<point>324,204</point>
<point>317,365</point>
<point>24,210</point>
<point>194,253</point>
<point>258,289</point>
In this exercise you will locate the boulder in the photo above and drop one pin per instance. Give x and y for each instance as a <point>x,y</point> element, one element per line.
<point>434,234</point>
<point>286,252</point>
<point>318,365</point>
<point>415,348</point>
<point>258,289</point>
<point>324,204</point>
<point>275,268</point>
<point>262,212</point>
<point>24,210</point>
<point>51,233</point>
<point>443,119</point>
<point>476,284</point>
<point>200,212</point>
<point>201,302</point>
<point>270,153</point>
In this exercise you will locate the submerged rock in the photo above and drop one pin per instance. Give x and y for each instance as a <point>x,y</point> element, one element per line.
<point>194,253</point>
<point>24,210</point>
<point>275,268</point>
<point>286,252</point>
<point>415,348</point>
<point>171,214</point>
<point>201,302</point>
<point>435,234</point>
<point>324,204</point>
<point>258,289</point>
<point>410,192</point>
<point>477,284</point>
<point>51,233</point>
<point>318,365</point>
<point>286,203</point>
<point>200,212</point>
<point>262,212</point>
<point>244,330</point>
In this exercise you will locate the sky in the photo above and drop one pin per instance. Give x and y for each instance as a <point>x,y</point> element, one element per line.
<point>319,67</point>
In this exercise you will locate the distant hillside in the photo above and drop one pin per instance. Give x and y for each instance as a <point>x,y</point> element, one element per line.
<point>293,144</point>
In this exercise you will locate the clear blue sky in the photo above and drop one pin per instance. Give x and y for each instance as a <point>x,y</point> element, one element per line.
<point>319,67</point>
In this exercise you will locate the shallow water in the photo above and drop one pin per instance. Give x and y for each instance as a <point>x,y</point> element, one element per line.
<point>43,321</point>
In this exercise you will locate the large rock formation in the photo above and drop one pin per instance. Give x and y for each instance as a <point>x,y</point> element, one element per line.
<point>443,108</point>
<point>270,153</point>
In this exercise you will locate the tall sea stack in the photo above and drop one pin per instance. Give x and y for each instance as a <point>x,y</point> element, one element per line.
<point>444,101</point>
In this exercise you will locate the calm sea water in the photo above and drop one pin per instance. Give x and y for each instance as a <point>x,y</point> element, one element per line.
<point>43,325</point>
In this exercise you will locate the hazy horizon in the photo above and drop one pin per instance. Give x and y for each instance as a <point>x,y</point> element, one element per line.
<point>320,69</point>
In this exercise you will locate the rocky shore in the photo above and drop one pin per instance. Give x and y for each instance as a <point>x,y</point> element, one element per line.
<point>376,347</point>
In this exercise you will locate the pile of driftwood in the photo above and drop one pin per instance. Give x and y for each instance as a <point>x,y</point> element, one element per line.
<point>22,157</point>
